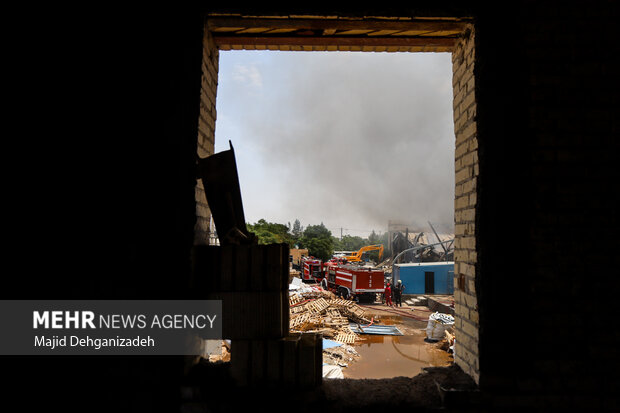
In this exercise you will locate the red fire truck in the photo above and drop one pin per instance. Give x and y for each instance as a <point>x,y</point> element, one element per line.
<point>353,281</point>
<point>311,269</point>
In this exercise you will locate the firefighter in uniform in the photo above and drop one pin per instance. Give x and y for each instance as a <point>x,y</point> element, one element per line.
<point>388,295</point>
<point>398,293</point>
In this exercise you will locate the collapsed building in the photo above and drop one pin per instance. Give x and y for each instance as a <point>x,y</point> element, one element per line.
<point>402,242</point>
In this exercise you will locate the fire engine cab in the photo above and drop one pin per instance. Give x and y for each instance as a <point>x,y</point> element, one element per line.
<point>311,269</point>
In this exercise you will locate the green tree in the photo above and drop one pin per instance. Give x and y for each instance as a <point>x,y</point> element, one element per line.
<point>297,231</point>
<point>318,240</point>
<point>353,243</point>
<point>319,247</point>
<point>338,245</point>
<point>317,231</point>
<point>271,233</point>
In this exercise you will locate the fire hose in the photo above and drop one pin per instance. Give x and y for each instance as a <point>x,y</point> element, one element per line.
<point>401,313</point>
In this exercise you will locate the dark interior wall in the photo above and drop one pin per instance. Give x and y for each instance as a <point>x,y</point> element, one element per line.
<point>505,202</point>
<point>547,99</point>
<point>105,202</point>
<point>109,130</point>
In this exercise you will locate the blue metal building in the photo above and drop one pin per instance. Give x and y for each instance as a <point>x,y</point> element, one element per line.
<point>425,277</point>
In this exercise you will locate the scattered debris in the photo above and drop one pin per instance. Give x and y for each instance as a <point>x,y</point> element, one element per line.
<point>447,343</point>
<point>345,337</point>
<point>313,309</point>
<point>331,371</point>
<point>388,330</point>
<point>224,355</point>
<point>341,355</point>
<point>344,324</point>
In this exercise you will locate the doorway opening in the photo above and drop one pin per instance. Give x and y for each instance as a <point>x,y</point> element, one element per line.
<point>347,142</point>
<point>465,171</point>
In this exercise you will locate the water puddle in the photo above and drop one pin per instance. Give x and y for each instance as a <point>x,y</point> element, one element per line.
<point>393,356</point>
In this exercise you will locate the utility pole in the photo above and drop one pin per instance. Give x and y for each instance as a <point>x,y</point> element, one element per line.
<point>340,233</point>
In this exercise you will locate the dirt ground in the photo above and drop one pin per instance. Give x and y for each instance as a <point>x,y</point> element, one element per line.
<point>419,393</point>
<point>417,388</point>
<point>379,356</point>
<point>374,356</point>
<point>372,378</point>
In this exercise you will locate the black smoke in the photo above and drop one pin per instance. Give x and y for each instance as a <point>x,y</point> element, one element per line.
<point>348,139</point>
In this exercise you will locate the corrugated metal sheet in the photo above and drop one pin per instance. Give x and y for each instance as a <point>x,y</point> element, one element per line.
<point>376,329</point>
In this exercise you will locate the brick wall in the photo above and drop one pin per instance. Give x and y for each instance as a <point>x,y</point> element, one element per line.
<point>466,176</point>
<point>206,133</point>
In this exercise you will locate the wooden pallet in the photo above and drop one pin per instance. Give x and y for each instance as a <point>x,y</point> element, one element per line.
<point>298,309</point>
<point>317,306</point>
<point>355,314</point>
<point>341,303</point>
<point>346,338</point>
<point>337,321</point>
<point>294,299</point>
<point>332,312</point>
<point>299,320</point>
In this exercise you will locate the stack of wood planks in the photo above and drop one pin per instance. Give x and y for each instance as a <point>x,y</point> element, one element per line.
<point>252,281</point>
<point>324,313</point>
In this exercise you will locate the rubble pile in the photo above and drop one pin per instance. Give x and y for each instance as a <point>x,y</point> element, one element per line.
<point>340,356</point>
<point>313,309</point>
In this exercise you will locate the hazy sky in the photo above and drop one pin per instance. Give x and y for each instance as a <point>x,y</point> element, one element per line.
<point>349,139</point>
